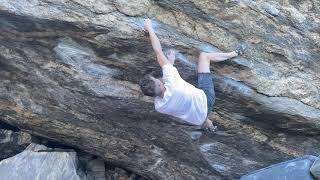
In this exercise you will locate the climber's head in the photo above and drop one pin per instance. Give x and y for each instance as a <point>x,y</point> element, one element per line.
<point>151,86</point>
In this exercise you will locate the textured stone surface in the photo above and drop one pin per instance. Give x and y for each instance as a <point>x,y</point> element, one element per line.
<point>315,169</point>
<point>35,163</point>
<point>296,169</point>
<point>69,72</point>
<point>94,168</point>
<point>12,142</point>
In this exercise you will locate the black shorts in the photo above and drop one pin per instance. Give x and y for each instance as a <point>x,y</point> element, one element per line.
<point>205,82</point>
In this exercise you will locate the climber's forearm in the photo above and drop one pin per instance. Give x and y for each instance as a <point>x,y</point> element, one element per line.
<point>155,42</point>
<point>161,58</point>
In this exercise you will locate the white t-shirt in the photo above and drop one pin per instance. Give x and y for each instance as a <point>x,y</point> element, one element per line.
<point>181,99</point>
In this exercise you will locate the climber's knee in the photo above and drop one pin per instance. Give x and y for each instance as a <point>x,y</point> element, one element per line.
<point>203,57</point>
<point>203,63</point>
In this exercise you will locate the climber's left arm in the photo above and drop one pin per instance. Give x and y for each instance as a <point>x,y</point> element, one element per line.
<point>161,58</point>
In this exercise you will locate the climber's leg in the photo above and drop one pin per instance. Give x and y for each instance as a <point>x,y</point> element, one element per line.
<point>217,57</point>
<point>205,82</point>
<point>205,79</point>
<point>206,58</point>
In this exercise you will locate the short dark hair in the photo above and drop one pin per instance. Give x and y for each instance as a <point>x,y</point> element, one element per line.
<point>148,86</point>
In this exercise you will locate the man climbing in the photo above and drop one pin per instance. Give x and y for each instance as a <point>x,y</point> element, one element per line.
<point>176,97</point>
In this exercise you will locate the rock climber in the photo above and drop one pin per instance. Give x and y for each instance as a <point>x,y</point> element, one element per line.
<point>176,97</point>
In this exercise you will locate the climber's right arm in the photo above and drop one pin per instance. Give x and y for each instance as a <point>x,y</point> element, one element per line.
<point>161,58</point>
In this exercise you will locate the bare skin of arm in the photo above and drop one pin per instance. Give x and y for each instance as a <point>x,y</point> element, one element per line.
<point>161,58</point>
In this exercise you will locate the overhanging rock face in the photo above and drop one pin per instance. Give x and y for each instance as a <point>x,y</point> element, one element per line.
<point>69,71</point>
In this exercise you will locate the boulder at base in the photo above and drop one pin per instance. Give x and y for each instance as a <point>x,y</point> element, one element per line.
<point>35,163</point>
<point>315,169</point>
<point>296,169</point>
